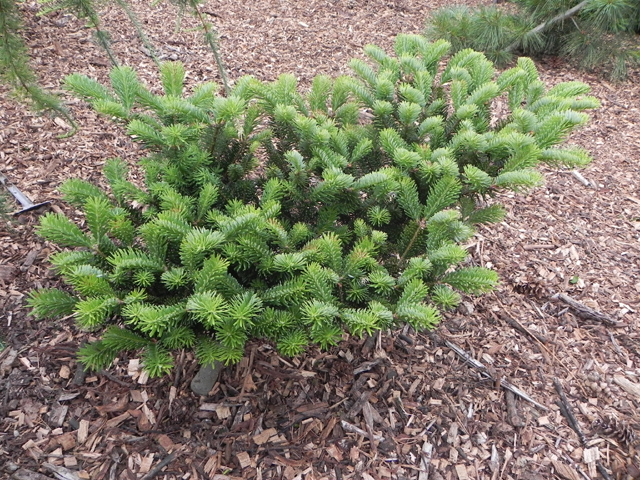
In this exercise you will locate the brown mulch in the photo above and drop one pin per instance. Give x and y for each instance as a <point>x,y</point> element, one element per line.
<point>404,405</point>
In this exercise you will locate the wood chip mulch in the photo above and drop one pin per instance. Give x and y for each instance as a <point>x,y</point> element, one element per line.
<point>399,406</point>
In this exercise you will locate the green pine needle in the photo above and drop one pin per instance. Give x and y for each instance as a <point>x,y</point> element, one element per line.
<point>208,308</point>
<point>269,213</point>
<point>474,280</point>
<point>96,356</point>
<point>172,75</point>
<point>180,337</point>
<point>156,360</point>
<point>446,297</point>
<point>122,339</point>
<point>57,228</point>
<point>50,303</point>
<point>443,194</point>
<point>77,191</point>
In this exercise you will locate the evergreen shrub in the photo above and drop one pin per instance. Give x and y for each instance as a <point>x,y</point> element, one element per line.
<point>599,35</point>
<point>294,217</point>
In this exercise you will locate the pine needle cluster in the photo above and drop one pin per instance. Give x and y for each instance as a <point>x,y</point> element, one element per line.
<point>15,70</point>
<point>14,60</point>
<point>595,34</point>
<point>293,217</point>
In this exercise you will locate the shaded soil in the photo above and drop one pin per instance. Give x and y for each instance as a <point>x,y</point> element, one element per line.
<point>419,409</point>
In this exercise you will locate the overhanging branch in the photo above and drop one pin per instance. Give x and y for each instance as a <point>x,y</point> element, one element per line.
<point>544,25</point>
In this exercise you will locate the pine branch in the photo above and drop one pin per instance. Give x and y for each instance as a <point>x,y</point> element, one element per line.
<point>16,70</point>
<point>210,37</point>
<point>545,25</point>
<point>51,303</point>
<point>103,39</point>
<point>421,224</point>
<point>139,31</point>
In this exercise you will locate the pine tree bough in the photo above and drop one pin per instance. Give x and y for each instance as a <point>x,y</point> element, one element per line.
<point>14,68</point>
<point>268,213</point>
<point>14,65</point>
<point>594,35</point>
<point>544,25</point>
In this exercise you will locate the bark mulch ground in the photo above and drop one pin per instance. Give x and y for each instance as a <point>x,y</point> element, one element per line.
<point>402,405</point>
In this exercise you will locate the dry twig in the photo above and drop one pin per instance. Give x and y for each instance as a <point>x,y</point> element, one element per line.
<point>61,473</point>
<point>484,371</point>
<point>567,412</point>
<point>578,176</point>
<point>425,460</point>
<point>155,470</point>
<point>522,329</point>
<point>348,427</point>
<point>585,312</point>
<point>513,417</point>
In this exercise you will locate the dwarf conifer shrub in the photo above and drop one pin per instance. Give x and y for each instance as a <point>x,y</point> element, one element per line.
<point>273,213</point>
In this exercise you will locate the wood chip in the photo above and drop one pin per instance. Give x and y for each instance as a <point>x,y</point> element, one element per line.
<point>83,431</point>
<point>119,405</point>
<point>58,414</point>
<point>461,471</point>
<point>145,464</point>
<point>67,440</point>
<point>425,460</point>
<point>114,422</point>
<point>7,362</point>
<point>62,473</point>
<point>7,273</point>
<point>151,417</point>
<point>627,385</point>
<point>222,411</point>
<point>264,436</point>
<point>334,452</point>
<point>68,396</point>
<point>165,442</point>
<point>243,459</point>
<point>565,471</point>
<point>211,465</point>
<point>353,429</point>
<point>136,396</point>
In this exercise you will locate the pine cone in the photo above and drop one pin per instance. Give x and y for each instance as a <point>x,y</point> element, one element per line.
<point>533,289</point>
<point>180,410</point>
<point>612,427</point>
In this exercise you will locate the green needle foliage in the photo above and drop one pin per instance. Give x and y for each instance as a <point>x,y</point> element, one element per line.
<point>85,9</point>
<point>596,34</point>
<point>14,65</point>
<point>15,70</point>
<point>294,217</point>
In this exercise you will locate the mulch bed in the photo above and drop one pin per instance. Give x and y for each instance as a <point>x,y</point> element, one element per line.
<point>403,405</point>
